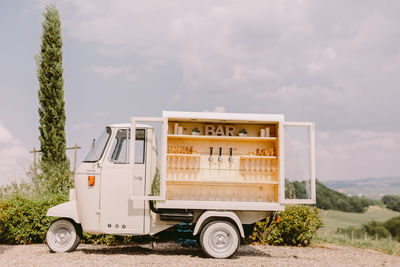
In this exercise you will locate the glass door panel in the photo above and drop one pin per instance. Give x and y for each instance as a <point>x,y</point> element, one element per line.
<point>299,163</point>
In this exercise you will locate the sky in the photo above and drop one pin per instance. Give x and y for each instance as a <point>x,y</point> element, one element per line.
<point>335,63</point>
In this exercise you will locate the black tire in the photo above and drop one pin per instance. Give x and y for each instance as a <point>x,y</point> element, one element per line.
<point>219,239</point>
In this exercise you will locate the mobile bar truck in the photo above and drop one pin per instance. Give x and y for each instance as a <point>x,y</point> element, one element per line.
<point>216,173</point>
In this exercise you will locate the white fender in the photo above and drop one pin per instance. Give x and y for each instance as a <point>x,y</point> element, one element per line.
<point>218,214</point>
<point>65,210</point>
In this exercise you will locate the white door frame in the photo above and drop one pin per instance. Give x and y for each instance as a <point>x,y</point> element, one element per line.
<point>283,200</point>
<point>163,180</point>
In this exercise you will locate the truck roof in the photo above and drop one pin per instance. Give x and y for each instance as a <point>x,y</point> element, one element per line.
<point>244,117</point>
<point>127,125</point>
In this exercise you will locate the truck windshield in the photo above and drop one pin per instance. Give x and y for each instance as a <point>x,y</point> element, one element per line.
<point>98,147</point>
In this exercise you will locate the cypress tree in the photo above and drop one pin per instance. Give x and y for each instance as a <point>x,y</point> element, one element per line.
<point>55,176</point>
<point>51,91</point>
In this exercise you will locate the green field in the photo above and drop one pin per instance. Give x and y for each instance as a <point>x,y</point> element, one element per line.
<point>333,219</point>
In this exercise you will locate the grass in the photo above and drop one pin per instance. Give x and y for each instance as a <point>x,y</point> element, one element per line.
<point>386,245</point>
<point>334,219</point>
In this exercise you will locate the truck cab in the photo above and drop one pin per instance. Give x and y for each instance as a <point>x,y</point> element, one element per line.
<point>218,173</point>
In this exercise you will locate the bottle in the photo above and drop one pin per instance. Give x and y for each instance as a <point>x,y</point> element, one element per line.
<point>176,125</point>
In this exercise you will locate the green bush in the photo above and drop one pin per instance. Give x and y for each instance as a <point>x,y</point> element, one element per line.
<point>23,220</point>
<point>23,207</point>
<point>392,202</point>
<point>52,179</point>
<point>393,226</point>
<point>297,227</point>
<point>374,228</point>
<point>386,199</point>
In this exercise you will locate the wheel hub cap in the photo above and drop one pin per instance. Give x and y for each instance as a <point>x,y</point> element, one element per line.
<point>220,241</point>
<point>62,236</point>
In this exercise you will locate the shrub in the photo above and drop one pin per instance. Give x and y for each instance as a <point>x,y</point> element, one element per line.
<point>297,227</point>
<point>394,205</point>
<point>52,179</point>
<point>393,226</point>
<point>23,220</point>
<point>386,199</point>
<point>374,228</point>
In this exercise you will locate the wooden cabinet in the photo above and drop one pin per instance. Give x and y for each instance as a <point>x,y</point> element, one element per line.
<point>217,164</point>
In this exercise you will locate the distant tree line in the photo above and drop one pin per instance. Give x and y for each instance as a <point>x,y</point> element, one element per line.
<point>391,202</point>
<point>327,198</point>
<point>331,199</point>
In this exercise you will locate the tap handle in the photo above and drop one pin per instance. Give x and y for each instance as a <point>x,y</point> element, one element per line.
<point>211,150</point>
<point>220,151</point>
<point>230,152</point>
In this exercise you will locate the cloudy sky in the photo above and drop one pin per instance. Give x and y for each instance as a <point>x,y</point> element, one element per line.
<point>336,63</point>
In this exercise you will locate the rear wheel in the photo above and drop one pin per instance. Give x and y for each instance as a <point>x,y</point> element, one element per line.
<point>219,239</point>
<point>63,236</point>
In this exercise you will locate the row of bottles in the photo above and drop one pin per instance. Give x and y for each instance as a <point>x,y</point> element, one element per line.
<point>180,149</point>
<point>220,194</point>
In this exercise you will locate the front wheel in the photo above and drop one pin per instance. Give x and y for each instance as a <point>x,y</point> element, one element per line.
<point>219,239</point>
<point>63,236</point>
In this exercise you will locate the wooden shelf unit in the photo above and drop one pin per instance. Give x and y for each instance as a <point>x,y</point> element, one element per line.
<point>230,179</point>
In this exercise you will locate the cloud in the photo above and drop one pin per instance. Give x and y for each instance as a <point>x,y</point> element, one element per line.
<point>335,63</point>
<point>10,155</point>
<point>111,72</point>
<point>240,49</point>
<point>14,162</point>
<point>5,135</point>
<point>343,154</point>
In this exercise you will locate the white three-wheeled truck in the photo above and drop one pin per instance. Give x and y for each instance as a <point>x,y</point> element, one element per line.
<point>217,173</point>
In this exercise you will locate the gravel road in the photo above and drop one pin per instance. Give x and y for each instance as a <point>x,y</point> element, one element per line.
<point>170,254</point>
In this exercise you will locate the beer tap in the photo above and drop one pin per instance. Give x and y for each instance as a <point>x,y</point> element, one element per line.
<point>220,155</point>
<point>210,159</point>
<point>230,155</point>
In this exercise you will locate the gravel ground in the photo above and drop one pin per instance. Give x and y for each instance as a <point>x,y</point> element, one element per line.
<point>170,254</point>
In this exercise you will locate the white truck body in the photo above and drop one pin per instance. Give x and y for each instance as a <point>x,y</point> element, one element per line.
<point>211,174</point>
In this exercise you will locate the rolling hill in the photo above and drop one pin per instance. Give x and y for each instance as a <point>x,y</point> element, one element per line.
<point>369,187</point>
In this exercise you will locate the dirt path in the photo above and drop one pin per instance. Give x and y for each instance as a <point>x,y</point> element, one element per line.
<point>170,254</point>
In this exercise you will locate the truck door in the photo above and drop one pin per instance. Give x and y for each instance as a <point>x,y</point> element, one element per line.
<point>118,215</point>
<point>297,183</point>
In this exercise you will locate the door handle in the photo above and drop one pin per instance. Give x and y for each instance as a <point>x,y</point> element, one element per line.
<point>138,178</point>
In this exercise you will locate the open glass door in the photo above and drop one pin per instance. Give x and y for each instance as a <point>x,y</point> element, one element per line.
<point>158,176</point>
<point>298,183</point>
